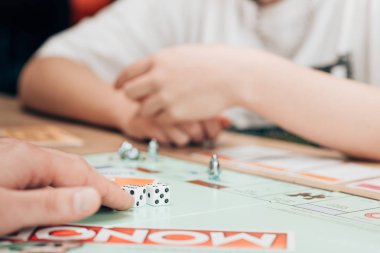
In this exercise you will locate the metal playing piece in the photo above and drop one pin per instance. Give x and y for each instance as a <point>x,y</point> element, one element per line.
<point>124,149</point>
<point>153,150</point>
<point>214,168</point>
<point>133,154</point>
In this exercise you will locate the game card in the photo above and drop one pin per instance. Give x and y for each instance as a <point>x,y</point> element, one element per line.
<point>341,173</point>
<point>42,135</point>
<point>249,153</point>
<point>372,185</point>
<point>297,163</point>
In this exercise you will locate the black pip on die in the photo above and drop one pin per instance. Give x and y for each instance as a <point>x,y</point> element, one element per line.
<point>138,193</point>
<point>158,194</point>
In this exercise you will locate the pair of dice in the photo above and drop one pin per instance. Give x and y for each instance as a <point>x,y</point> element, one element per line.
<point>151,194</point>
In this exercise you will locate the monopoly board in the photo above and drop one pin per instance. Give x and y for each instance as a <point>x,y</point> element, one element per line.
<point>239,213</point>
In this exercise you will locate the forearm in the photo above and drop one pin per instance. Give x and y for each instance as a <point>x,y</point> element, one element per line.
<point>69,89</point>
<point>336,113</point>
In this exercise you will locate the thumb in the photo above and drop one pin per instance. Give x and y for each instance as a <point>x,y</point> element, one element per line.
<point>49,206</point>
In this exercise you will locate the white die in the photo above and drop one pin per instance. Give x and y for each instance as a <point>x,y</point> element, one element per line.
<point>158,194</point>
<point>138,193</point>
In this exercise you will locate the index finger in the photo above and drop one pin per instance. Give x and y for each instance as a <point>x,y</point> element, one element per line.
<point>136,69</point>
<point>68,170</point>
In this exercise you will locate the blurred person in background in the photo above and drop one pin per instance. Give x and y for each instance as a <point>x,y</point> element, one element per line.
<point>265,57</point>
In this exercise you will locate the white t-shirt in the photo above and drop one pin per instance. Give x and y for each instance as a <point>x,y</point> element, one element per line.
<point>313,33</point>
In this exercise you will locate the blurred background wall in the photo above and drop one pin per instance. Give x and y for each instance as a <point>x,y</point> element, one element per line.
<point>26,24</point>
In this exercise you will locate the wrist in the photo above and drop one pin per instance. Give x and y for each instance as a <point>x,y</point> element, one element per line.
<point>256,76</point>
<point>243,89</point>
<point>121,110</point>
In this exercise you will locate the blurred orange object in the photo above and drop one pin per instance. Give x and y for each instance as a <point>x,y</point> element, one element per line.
<point>120,181</point>
<point>84,8</point>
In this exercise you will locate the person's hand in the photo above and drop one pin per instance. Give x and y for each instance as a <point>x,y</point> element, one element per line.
<point>143,128</point>
<point>47,187</point>
<point>187,83</point>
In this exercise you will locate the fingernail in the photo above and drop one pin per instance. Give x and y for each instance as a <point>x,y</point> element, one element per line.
<point>85,200</point>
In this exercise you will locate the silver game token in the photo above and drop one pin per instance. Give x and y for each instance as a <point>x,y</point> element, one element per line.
<point>214,168</point>
<point>124,149</point>
<point>153,150</point>
<point>133,154</point>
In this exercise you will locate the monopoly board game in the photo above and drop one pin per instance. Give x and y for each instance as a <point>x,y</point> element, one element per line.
<point>239,213</point>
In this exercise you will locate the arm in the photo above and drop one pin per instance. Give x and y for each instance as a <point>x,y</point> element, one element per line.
<point>64,87</point>
<point>336,113</point>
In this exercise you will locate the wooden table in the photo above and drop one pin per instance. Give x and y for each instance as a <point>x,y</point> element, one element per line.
<point>95,139</point>
<point>104,140</point>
